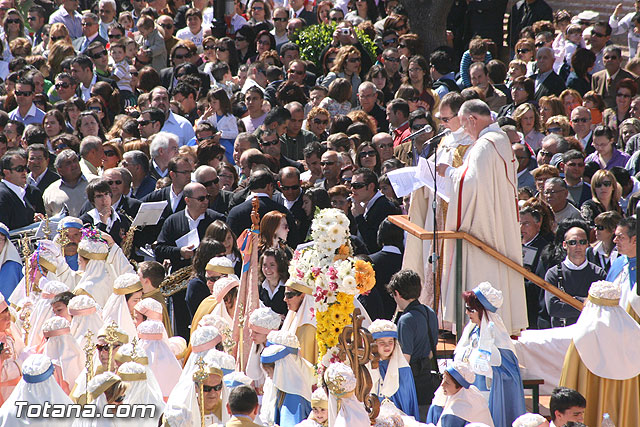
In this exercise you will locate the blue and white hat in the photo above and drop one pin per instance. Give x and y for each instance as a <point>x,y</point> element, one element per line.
<point>4,230</point>
<point>381,328</point>
<point>462,373</point>
<point>490,298</point>
<point>69,222</point>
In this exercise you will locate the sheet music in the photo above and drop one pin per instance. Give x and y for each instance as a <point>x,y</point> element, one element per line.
<point>149,213</point>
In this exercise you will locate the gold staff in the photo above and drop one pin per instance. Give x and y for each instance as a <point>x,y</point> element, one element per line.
<point>88,363</point>
<point>199,376</point>
<point>111,337</point>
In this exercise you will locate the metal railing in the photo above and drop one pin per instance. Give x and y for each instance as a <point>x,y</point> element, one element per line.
<point>403,222</point>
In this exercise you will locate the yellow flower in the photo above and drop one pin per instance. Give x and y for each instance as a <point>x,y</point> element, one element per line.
<point>365,276</point>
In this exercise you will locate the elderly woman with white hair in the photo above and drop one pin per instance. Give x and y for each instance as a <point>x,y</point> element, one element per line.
<point>463,403</point>
<point>486,346</point>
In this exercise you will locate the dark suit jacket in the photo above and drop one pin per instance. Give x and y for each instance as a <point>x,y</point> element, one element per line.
<point>576,83</point>
<point>166,78</point>
<point>534,294</point>
<point>285,161</point>
<point>297,212</point>
<point>48,178</point>
<point>368,224</point>
<point>309,17</point>
<point>128,205</point>
<point>552,85</point>
<point>379,304</point>
<point>589,148</point>
<point>239,218</point>
<point>99,78</point>
<point>147,185</point>
<point>221,202</point>
<point>153,173</point>
<point>150,232</point>
<point>15,214</point>
<point>175,227</point>
<point>77,43</point>
<point>118,229</point>
<point>607,90</point>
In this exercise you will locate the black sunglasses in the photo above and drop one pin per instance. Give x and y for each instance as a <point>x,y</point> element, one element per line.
<point>19,168</point>
<point>213,181</point>
<point>111,153</point>
<point>210,388</point>
<point>62,85</point>
<point>117,181</point>
<point>23,93</point>
<point>99,54</point>
<point>55,39</point>
<point>290,187</point>
<point>364,154</point>
<point>200,199</point>
<point>358,185</point>
<point>291,294</point>
<point>221,48</point>
<point>603,183</point>
<point>268,143</point>
<point>144,122</point>
<point>166,26</point>
<point>389,41</point>
<point>581,242</point>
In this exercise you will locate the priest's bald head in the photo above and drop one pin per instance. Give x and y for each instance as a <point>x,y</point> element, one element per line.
<point>475,115</point>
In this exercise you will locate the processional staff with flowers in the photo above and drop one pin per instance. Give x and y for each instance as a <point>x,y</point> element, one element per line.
<point>329,268</point>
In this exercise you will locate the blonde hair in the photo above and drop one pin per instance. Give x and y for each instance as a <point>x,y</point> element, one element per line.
<point>598,178</point>
<point>521,110</point>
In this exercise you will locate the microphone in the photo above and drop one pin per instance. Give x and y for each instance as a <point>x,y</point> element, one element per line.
<point>430,144</point>
<point>425,129</point>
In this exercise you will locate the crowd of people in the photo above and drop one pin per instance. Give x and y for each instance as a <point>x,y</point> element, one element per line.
<point>109,106</point>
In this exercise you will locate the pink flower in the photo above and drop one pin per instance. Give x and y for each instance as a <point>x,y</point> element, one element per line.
<point>316,271</point>
<point>333,286</point>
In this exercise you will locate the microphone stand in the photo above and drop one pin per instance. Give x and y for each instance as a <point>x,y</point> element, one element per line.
<point>434,257</point>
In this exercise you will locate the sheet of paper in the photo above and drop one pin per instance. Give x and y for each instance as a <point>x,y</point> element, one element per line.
<point>53,228</point>
<point>404,181</point>
<point>149,213</point>
<point>191,238</point>
<point>425,172</point>
<point>528,255</point>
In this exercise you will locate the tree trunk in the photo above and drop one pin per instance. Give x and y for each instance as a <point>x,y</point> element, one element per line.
<point>428,19</point>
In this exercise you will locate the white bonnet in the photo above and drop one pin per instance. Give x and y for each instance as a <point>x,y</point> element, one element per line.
<point>490,297</point>
<point>82,302</point>
<point>605,290</point>
<point>265,318</point>
<point>203,335</point>
<point>55,323</point>
<point>36,364</point>
<point>284,338</point>
<point>340,379</point>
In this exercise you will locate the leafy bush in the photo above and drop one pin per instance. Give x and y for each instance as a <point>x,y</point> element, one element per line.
<point>313,39</point>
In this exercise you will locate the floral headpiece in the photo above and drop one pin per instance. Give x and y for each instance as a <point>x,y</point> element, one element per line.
<point>92,245</point>
<point>340,379</point>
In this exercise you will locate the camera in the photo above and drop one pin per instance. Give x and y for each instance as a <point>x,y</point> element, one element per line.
<point>345,31</point>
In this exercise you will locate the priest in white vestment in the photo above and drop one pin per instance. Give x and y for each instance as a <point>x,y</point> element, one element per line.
<point>452,150</point>
<point>484,204</point>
